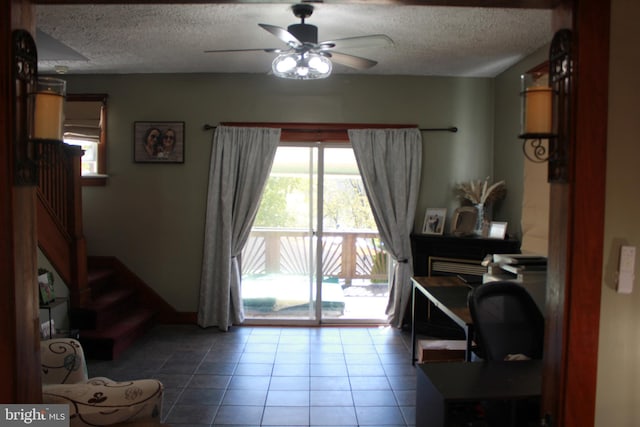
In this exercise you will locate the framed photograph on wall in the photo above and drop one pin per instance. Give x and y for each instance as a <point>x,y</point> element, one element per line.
<point>158,142</point>
<point>434,219</point>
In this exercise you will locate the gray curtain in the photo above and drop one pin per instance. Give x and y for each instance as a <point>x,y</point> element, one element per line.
<point>390,164</point>
<point>241,160</point>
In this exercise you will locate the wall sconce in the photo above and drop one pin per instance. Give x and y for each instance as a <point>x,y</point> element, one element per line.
<point>38,109</point>
<point>48,116</point>
<point>25,74</point>
<point>545,110</point>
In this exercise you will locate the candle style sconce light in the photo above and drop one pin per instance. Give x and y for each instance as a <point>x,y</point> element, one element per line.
<point>38,109</point>
<point>545,110</point>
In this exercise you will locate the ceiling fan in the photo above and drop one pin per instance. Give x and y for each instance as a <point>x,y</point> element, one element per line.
<point>304,57</point>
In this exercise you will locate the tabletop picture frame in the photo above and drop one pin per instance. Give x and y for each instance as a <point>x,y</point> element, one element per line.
<point>434,219</point>
<point>158,142</point>
<point>497,230</point>
<point>464,221</point>
<point>45,286</point>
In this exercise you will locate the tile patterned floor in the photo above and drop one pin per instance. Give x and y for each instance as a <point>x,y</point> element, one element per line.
<point>275,376</point>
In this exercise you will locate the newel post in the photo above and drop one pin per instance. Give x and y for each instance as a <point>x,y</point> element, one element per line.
<point>81,294</point>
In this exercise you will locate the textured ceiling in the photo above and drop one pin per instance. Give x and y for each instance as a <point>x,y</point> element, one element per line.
<point>171,38</point>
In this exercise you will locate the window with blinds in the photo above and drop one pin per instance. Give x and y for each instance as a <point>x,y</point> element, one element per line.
<point>85,125</point>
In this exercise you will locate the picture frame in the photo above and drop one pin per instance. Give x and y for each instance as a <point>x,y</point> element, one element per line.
<point>497,230</point>
<point>434,219</point>
<point>464,221</point>
<point>45,286</point>
<point>47,329</point>
<point>158,142</point>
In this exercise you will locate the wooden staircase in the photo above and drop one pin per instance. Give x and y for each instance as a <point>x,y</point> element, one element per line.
<point>109,305</point>
<point>116,317</point>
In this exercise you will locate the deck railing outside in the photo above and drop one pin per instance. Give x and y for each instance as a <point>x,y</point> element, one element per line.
<point>346,255</point>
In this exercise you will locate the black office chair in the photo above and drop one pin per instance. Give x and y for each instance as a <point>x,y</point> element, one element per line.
<point>506,321</point>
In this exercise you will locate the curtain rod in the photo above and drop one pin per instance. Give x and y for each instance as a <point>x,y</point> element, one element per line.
<point>447,129</point>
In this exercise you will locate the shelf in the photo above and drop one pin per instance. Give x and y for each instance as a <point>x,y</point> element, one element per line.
<point>49,307</point>
<point>56,302</point>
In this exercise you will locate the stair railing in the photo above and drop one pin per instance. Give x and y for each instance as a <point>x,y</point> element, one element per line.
<point>59,217</point>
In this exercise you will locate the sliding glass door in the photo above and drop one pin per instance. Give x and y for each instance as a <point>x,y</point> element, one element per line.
<point>354,266</point>
<point>314,253</point>
<point>278,262</point>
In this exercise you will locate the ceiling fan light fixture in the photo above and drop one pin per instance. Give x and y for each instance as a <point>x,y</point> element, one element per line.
<point>306,66</point>
<point>306,59</point>
<point>284,64</point>
<point>320,63</point>
<point>302,72</point>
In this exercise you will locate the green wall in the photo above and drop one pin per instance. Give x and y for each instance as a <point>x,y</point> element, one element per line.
<point>151,216</point>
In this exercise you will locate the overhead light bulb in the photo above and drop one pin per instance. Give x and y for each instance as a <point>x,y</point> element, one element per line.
<point>284,64</point>
<point>320,63</point>
<point>305,66</point>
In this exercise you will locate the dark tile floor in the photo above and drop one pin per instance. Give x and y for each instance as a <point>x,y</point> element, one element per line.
<point>275,376</point>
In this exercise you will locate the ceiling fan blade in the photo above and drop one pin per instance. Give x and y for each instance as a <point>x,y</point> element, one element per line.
<point>268,50</point>
<point>373,40</point>
<point>282,34</point>
<point>351,60</point>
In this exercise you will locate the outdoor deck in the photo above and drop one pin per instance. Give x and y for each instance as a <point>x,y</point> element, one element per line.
<point>276,279</point>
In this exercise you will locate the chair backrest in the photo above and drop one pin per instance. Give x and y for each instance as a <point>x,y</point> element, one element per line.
<point>506,321</point>
<point>63,361</point>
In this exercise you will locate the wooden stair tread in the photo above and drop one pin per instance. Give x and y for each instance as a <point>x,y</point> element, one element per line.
<point>97,274</point>
<point>113,297</point>
<point>115,330</point>
<point>116,316</point>
<point>109,342</point>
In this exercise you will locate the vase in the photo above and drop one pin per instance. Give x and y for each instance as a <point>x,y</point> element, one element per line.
<point>480,220</point>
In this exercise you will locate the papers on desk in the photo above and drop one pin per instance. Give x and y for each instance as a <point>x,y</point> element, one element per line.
<point>518,263</point>
<point>519,259</point>
<point>528,270</point>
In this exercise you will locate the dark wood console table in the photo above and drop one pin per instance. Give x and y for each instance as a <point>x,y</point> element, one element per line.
<point>443,388</point>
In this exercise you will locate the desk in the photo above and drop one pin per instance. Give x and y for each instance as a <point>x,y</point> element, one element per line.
<point>443,386</point>
<point>449,294</point>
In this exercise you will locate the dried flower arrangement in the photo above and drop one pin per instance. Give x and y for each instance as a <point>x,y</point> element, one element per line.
<point>481,192</point>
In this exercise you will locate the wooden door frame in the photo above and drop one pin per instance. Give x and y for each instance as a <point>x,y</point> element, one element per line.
<point>20,331</point>
<point>574,280</point>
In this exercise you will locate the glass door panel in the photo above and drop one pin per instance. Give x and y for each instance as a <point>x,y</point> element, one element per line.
<point>354,265</point>
<point>278,262</point>
<point>304,263</point>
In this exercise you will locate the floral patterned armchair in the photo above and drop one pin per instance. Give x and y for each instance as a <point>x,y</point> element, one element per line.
<point>94,401</point>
